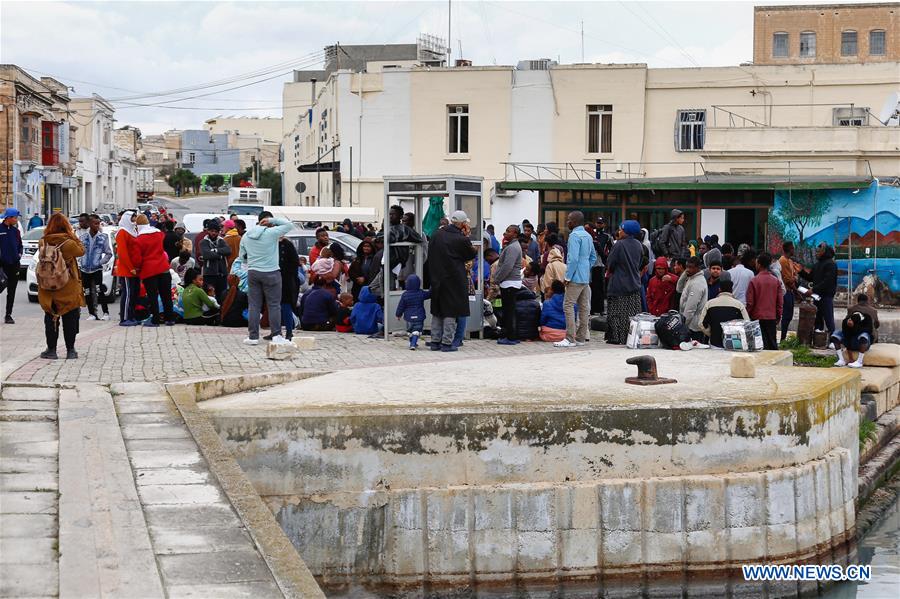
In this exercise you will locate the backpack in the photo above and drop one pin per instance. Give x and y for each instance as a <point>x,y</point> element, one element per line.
<point>657,241</point>
<point>51,270</point>
<point>671,329</point>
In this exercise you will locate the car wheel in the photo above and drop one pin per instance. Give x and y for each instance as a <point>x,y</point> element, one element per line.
<point>32,299</point>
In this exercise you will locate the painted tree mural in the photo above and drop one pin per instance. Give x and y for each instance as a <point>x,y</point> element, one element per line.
<point>799,211</point>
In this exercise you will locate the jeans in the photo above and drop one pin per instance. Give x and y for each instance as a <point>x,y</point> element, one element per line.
<point>92,281</point>
<point>287,317</point>
<point>461,323</point>
<point>69,323</point>
<point>12,281</point>
<point>579,295</point>
<point>159,287</point>
<point>443,329</point>
<point>263,286</point>
<point>130,288</point>
<point>788,313</point>
<point>825,314</point>
<point>210,318</point>
<point>508,297</point>
<point>768,328</point>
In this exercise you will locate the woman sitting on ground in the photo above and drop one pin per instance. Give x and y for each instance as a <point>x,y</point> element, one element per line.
<point>199,307</point>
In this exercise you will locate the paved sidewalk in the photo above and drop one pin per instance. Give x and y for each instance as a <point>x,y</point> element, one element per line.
<point>109,353</point>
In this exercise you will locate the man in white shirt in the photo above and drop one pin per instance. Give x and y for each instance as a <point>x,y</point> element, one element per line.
<point>742,274</point>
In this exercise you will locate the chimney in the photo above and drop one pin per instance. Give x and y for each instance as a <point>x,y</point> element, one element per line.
<point>312,99</point>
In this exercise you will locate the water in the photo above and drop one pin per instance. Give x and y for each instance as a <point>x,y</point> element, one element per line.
<point>880,548</point>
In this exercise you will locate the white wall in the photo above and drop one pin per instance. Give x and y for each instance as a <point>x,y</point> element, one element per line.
<point>508,211</point>
<point>713,222</point>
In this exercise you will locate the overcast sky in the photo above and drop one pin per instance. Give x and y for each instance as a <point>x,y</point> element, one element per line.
<point>123,50</point>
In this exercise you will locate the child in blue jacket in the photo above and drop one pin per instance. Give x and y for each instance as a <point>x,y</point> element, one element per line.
<point>412,309</point>
<point>367,317</point>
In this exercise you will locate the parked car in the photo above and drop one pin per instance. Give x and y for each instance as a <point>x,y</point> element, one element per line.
<point>29,248</point>
<point>305,239</point>
<point>108,280</point>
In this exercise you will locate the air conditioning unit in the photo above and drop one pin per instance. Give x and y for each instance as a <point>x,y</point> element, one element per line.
<point>503,193</point>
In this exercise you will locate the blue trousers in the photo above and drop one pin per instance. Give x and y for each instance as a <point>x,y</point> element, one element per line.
<point>287,319</point>
<point>460,330</point>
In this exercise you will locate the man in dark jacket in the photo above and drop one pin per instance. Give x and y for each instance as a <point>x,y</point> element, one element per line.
<point>288,262</point>
<point>448,252</point>
<point>213,255</point>
<point>857,333</point>
<point>170,240</point>
<point>10,254</point>
<point>528,315</point>
<point>824,285</point>
<point>671,238</point>
<point>603,243</point>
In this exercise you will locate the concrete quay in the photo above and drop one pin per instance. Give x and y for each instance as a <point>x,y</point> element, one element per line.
<point>420,480</point>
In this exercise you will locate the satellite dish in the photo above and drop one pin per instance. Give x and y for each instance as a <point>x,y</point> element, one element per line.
<point>300,186</point>
<point>890,113</point>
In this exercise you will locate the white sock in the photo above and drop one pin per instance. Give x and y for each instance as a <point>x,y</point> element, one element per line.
<point>840,358</point>
<point>859,358</point>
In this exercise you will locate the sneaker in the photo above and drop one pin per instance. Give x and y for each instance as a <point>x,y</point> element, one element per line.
<point>104,317</point>
<point>857,364</point>
<point>434,346</point>
<point>71,354</point>
<point>279,340</point>
<point>267,337</point>
<point>507,342</point>
<point>831,346</point>
<point>698,345</point>
<point>49,355</point>
<point>129,323</point>
<point>412,348</point>
<point>91,317</point>
<point>249,341</point>
<point>448,348</point>
<point>170,323</point>
<point>151,325</point>
<point>9,320</point>
<point>840,363</point>
<point>686,345</point>
<point>564,343</point>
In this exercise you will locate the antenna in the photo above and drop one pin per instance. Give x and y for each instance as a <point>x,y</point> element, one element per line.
<point>459,41</point>
<point>449,39</point>
<point>582,41</point>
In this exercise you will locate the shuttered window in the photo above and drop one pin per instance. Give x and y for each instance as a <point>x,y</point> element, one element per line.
<point>599,128</point>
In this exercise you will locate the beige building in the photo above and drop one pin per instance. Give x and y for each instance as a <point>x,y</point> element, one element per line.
<point>826,33</point>
<point>254,138</point>
<point>541,120</point>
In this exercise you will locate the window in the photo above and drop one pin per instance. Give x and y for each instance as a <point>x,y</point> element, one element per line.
<point>780,45</point>
<point>876,42</point>
<point>808,44</point>
<point>599,126</point>
<point>458,117</point>
<point>851,116</point>
<point>691,130</point>
<point>848,43</point>
<point>191,157</point>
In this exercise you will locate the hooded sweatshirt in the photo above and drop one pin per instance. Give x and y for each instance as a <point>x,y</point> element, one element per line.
<point>412,303</point>
<point>259,245</point>
<point>693,298</point>
<point>125,245</point>
<point>148,257</point>
<point>552,314</point>
<point>555,271</point>
<point>367,314</point>
<point>711,256</point>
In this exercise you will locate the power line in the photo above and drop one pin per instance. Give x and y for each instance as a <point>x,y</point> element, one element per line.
<point>659,30</point>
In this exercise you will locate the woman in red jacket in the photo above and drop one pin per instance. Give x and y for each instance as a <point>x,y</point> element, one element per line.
<point>151,262</point>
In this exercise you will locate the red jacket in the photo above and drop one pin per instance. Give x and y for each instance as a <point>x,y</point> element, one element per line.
<point>124,249</point>
<point>148,255</point>
<point>764,298</point>
<point>660,294</point>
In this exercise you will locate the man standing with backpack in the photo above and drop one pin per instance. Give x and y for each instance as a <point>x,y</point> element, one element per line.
<point>669,241</point>
<point>10,254</point>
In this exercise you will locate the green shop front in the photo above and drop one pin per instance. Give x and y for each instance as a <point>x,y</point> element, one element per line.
<point>736,208</point>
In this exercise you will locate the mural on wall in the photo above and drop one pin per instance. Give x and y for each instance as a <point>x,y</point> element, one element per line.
<point>844,219</point>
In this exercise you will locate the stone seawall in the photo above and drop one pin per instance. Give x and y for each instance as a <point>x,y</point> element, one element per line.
<point>415,480</point>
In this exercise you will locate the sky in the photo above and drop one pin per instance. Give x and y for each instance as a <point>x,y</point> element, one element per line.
<point>129,51</point>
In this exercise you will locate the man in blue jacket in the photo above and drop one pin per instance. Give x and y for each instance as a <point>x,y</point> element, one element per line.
<point>97,252</point>
<point>259,251</point>
<point>580,257</point>
<point>10,255</point>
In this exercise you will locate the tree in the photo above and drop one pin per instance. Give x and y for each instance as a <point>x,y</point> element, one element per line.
<point>194,181</point>
<point>181,180</point>
<point>802,209</point>
<point>215,181</point>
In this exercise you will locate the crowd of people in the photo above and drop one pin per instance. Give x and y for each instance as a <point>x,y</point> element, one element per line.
<point>540,284</point>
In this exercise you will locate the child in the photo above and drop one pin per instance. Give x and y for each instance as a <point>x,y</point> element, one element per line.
<point>200,307</point>
<point>324,264</point>
<point>342,320</point>
<point>412,309</point>
<point>553,318</point>
<point>367,317</point>
<point>181,264</point>
<point>661,289</point>
<point>531,276</point>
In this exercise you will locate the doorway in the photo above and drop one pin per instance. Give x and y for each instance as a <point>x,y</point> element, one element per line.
<point>746,225</point>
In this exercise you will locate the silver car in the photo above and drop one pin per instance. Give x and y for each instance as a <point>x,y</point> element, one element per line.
<point>305,239</point>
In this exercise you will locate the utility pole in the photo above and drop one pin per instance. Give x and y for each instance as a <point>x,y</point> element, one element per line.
<point>582,41</point>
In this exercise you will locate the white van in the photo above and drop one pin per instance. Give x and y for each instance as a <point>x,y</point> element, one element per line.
<point>248,200</point>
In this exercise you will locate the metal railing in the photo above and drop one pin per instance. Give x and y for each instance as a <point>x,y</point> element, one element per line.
<point>741,116</point>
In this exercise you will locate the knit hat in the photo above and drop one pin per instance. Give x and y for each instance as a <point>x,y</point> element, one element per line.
<point>142,220</point>
<point>631,227</point>
<point>675,213</point>
<point>228,224</point>
<point>661,263</point>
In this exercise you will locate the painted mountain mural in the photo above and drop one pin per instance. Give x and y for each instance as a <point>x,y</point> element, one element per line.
<point>861,230</point>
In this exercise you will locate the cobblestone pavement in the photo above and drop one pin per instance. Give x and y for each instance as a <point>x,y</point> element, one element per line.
<point>109,353</point>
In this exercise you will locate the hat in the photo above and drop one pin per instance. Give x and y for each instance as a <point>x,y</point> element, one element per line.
<point>631,227</point>
<point>600,219</point>
<point>228,224</point>
<point>458,216</point>
<point>661,263</point>
<point>11,212</point>
<point>214,225</point>
<point>676,213</point>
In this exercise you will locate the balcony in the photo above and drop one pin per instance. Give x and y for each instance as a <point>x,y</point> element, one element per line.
<point>801,141</point>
